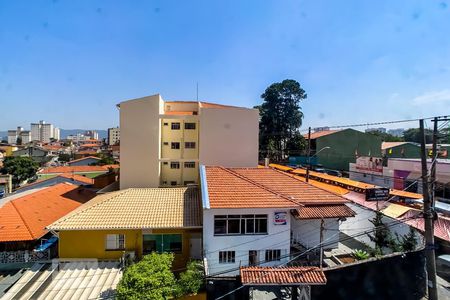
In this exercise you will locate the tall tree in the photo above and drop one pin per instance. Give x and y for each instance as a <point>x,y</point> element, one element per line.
<point>413,135</point>
<point>280,118</point>
<point>386,137</point>
<point>21,168</point>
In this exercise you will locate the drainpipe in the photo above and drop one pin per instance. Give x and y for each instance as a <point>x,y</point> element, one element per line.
<point>321,241</point>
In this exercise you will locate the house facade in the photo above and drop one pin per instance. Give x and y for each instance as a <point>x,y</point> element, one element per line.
<point>255,216</point>
<point>163,142</point>
<point>136,222</point>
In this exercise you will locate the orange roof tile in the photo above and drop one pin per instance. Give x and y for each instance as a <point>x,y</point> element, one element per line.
<point>25,218</point>
<point>289,186</point>
<point>73,169</point>
<point>315,135</point>
<point>77,177</point>
<point>282,275</point>
<point>227,189</point>
<point>87,152</point>
<point>323,211</point>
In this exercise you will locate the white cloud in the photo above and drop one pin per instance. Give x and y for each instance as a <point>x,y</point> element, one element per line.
<point>432,97</point>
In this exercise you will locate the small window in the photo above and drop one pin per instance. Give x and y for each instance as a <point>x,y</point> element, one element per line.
<point>175,145</point>
<point>164,182</point>
<point>273,255</point>
<point>176,126</point>
<point>166,143</point>
<point>173,183</point>
<point>174,165</point>
<point>189,182</point>
<point>189,165</point>
<point>166,124</point>
<point>115,242</point>
<point>189,145</point>
<point>189,125</point>
<point>227,257</point>
<point>165,163</point>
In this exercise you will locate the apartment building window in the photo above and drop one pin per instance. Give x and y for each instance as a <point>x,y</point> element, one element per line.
<point>173,183</point>
<point>166,124</point>
<point>175,145</point>
<point>227,257</point>
<point>189,182</point>
<point>166,143</point>
<point>165,163</point>
<point>176,126</point>
<point>115,242</point>
<point>189,164</point>
<point>252,257</point>
<point>189,145</point>
<point>240,224</point>
<point>174,165</point>
<point>273,255</point>
<point>189,125</point>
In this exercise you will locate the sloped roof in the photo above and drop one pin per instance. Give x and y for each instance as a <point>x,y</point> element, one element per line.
<point>25,218</point>
<point>323,211</point>
<point>317,134</point>
<point>71,176</point>
<point>227,189</point>
<point>282,275</point>
<point>83,158</point>
<point>387,145</point>
<point>289,186</point>
<point>136,208</point>
<point>73,169</point>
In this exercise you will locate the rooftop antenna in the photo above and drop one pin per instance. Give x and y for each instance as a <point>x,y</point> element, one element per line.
<point>197,91</point>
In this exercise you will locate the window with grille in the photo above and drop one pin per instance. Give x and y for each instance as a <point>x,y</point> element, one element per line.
<point>189,164</point>
<point>176,126</point>
<point>189,145</point>
<point>115,242</point>
<point>174,165</point>
<point>273,255</point>
<point>227,257</point>
<point>189,125</point>
<point>175,145</point>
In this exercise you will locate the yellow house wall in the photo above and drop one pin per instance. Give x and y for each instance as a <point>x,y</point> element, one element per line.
<point>92,243</point>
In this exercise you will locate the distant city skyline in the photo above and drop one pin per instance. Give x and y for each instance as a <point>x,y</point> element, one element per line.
<point>72,62</point>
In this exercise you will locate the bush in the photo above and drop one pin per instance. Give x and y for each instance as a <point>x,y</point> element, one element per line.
<point>360,255</point>
<point>409,242</point>
<point>191,280</point>
<point>151,278</point>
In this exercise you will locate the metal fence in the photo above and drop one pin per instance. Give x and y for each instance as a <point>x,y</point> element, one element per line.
<point>23,256</point>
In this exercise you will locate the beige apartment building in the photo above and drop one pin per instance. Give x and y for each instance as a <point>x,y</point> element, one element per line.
<point>163,143</point>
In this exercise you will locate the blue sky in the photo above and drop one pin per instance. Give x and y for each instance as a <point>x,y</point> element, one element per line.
<point>70,62</point>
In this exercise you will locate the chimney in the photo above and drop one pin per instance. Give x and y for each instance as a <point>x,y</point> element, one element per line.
<point>266,162</point>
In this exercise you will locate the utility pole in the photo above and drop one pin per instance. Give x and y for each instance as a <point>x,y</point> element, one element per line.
<point>428,216</point>
<point>309,155</point>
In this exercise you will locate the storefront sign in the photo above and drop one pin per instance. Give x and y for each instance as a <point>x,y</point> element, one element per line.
<point>280,218</point>
<point>377,194</point>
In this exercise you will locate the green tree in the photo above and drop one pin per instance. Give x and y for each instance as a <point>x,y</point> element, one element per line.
<point>409,241</point>
<point>151,278</point>
<point>21,168</point>
<point>280,118</point>
<point>381,235</point>
<point>105,160</point>
<point>413,135</point>
<point>64,157</point>
<point>191,280</point>
<point>386,137</point>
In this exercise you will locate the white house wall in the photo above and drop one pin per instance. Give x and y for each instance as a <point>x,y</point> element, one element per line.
<point>307,232</point>
<point>278,237</point>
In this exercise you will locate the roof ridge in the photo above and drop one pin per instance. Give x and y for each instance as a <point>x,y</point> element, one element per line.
<point>259,185</point>
<point>22,218</point>
<point>81,210</point>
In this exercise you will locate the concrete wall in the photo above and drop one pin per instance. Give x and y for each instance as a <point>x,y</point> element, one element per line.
<point>307,232</point>
<point>361,223</point>
<point>140,142</point>
<point>229,137</point>
<point>278,237</point>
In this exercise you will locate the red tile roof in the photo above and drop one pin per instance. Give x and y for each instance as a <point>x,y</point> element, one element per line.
<point>73,169</point>
<point>441,225</point>
<point>90,145</point>
<point>77,177</point>
<point>282,276</point>
<point>324,211</point>
<point>289,186</point>
<point>227,189</point>
<point>25,218</point>
<point>315,135</point>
